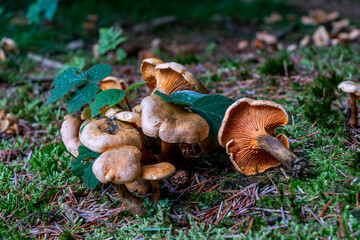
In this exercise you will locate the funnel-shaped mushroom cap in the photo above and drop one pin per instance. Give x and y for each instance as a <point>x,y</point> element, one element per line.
<point>70,133</point>
<point>121,165</point>
<point>157,171</point>
<point>105,134</point>
<point>172,77</point>
<point>170,122</point>
<point>112,83</point>
<point>244,122</point>
<point>148,71</point>
<point>350,87</point>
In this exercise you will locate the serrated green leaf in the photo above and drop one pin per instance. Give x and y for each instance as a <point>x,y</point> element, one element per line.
<point>98,72</point>
<point>64,82</point>
<point>108,97</point>
<point>167,98</point>
<point>78,168</point>
<point>89,178</point>
<point>212,108</point>
<point>187,95</point>
<point>81,96</point>
<point>85,153</point>
<point>136,85</point>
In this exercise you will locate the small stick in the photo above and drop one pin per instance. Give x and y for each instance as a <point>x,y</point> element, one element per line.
<point>341,227</point>
<point>249,227</point>
<point>324,209</point>
<point>239,223</point>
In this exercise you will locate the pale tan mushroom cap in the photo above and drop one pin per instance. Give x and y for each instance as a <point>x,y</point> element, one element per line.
<point>111,82</point>
<point>171,123</point>
<point>104,134</point>
<point>70,133</point>
<point>172,77</point>
<point>121,165</point>
<point>148,71</point>
<point>130,117</point>
<point>350,87</point>
<point>157,171</point>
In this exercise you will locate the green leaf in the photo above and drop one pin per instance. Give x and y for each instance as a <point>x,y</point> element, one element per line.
<point>78,168</point>
<point>98,72</point>
<point>81,96</point>
<point>167,98</point>
<point>187,95</point>
<point>212,108</point>
<point>108,97</point>
<point>89,178</point>
<point>136,85</point>
<point>64,82</point>
<point>86,153</point>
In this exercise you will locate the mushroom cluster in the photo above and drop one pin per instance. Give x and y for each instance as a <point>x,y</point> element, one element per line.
<point>9,123</point>
<point>129,141</point>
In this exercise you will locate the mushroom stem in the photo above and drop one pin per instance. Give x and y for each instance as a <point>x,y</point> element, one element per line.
<point>155,190</point>
<point>170,152</point>
<point>280,152</point>
<point>354,111</point>
<point>133,204</point>
<point>128,104</point>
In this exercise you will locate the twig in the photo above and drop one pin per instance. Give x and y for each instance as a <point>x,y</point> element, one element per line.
<point>324,209</point>
<point>239,223</point>
<point>249,227</point>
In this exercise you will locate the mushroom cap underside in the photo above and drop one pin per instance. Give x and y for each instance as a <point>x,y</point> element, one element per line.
<point>148,71</point>
<point>244,122</point>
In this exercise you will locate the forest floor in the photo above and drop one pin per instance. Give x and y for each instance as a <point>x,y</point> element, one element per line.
<point>40,198</point>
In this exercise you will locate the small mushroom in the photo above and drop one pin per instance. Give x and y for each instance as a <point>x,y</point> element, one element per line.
<point>154,173</point>
<point>111,82</point>
<point>354,91</point>
<point>2,55</point>
<point>129,117</point>
<point>172,77</point>
<point>70,133</point>
<point>120,166</point>
<point>148,71</point>
<point>105,134</point>
<point>248,134</point>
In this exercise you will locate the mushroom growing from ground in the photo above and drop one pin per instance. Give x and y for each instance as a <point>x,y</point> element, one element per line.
<point>148,71</point>
<point>172,77</point>
<point>105,134</point>
<point>111,82</point>
<point>70,133</point>
<point>154,173</point>
<point>120,166</point>
<point>172,124</point>
<point>248,134</point>
<point>354,91</point>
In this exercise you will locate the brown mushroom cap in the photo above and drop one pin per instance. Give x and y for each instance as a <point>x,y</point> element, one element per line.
<point>157,171</point>
<point>105,134</point>
<point>121,165</point>
<point>111,82</point>
<point>148,71</point>
<point>172,77</point>
<point>70,133</point>
<point>350,87</point>
<point>244,122</point>
<point>170,122</point>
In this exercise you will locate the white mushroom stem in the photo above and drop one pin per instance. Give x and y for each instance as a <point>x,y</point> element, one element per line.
<point>354,111</point>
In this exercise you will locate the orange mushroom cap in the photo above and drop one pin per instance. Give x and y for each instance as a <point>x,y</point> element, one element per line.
<point>148,71</point>
<point>172,77</point>
<point>244,121</point>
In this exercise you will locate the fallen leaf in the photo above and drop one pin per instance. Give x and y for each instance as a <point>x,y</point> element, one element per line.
<point>273,18</point>
<point>242,45</point>
<point>305,41</point>
<point>266,38</point>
